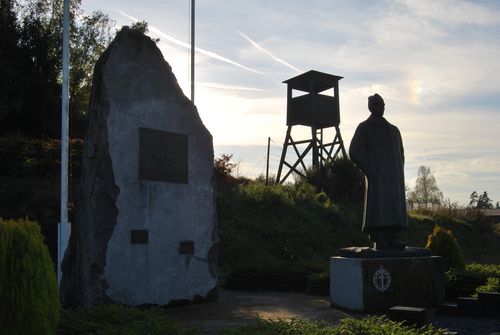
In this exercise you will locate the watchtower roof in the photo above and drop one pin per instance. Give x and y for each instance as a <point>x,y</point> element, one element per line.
<point>313,81</point>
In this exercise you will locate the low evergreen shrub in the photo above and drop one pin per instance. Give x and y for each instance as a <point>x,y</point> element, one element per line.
<point>372,325</point>
<point>318,283</point>
<point>442,243</point>
<point>492,285</point>
<point>29,302</point>
<point>484,270</point>
<point>119,320</point>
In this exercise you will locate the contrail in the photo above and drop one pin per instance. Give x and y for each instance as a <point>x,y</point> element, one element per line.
<point>269,53</point>
<point>230,87</point>
<point>207,53</point>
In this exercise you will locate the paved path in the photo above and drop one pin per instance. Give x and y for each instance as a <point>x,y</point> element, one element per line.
<point>235,308</point>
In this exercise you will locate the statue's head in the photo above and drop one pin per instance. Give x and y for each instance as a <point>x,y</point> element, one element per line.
<point>376,105</point>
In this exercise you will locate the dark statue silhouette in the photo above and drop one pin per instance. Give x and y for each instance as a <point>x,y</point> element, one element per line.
<point>377,149</point>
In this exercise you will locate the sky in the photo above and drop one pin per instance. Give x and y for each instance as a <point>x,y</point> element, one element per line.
<point>435,63</point>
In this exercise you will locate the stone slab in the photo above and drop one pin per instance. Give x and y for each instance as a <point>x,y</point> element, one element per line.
<point>377,284</point>
<point>366,252</point>
<point>468,306</point>
<point>411,315</point>
<point>489,304</point>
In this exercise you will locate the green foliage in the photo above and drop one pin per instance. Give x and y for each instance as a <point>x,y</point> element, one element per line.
<point>467,283</point>
<point>31,69</point>
<point>275,237</point>
<point>340,179</point>
<point>28,287</point>
<point>22,157</point>
<point>372,325</point>
<point>480,201</point>
<point>492,285</point>
<point>475,234</point>
<point>484,270</point>
<point>318,283</point>
<point>442,243</point>
<point>118,320</point>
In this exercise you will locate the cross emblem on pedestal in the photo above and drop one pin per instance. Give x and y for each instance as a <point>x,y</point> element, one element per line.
<point>382,279</point>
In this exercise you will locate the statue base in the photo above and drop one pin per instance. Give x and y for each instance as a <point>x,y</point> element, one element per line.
<point>367,283</point>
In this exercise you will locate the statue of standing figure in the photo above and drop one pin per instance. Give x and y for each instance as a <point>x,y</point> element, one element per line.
<point>377,149</point>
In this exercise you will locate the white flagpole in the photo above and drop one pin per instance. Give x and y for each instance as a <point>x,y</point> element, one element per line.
<point>192,51</point>
<point>64,134</point>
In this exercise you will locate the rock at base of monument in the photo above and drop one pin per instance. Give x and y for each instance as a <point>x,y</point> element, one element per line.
<point>489,304</point>
<point>377,284</point>
<point>366,252</point>
<point>410,315</point>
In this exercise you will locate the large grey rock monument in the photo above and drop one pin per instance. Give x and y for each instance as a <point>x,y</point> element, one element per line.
<point>389,274</point>
<point>146,228</point>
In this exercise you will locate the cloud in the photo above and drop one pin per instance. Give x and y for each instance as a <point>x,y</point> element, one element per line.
<point>267,52</point>
<point>208,53</point>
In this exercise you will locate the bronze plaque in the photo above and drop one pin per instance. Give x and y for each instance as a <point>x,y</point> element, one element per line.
<point>140,236</point>
<point>163,156</point>
<point>186,247</point>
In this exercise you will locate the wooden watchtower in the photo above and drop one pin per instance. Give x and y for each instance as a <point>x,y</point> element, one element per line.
<point>317,111</point>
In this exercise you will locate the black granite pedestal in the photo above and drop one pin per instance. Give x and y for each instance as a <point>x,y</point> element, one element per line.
<point>372,281</point>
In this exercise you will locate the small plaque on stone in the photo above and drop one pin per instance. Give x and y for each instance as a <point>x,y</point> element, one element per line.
<point>186,247</point>
<point>163,156</point>
<point>140,236</point>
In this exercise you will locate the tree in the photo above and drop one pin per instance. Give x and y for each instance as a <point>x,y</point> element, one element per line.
<point>426,190</point>
<point>473,199</point>
<point>340,179</point>
<point>481,201</point>
<point>31,104</point>
<point>484,201</point>
<point>497,206</point>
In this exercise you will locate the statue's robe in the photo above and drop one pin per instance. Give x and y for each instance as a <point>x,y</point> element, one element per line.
<point>377,149</point>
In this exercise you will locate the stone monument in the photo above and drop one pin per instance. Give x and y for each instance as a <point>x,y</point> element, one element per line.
<point>146,224</point>
<point>389,274</point>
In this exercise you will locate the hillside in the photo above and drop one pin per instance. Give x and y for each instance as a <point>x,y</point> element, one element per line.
<point>279,237</point>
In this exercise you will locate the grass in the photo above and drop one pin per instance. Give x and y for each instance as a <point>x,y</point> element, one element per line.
<point>281,237</point>
<point>274,237</point>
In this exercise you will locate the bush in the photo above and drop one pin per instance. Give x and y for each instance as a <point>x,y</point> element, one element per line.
<point>340,179</point>
<point>442,243</point>
<point>318,283</point>
<point>372,325</point>
<point>492,285</point>
<point>116,319</point>
<point>28,287</point>
<point>22,157</point>
<point>484,270</point>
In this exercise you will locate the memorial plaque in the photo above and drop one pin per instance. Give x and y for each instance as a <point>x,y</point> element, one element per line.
<point>140,236</point>
<point>186,247</point>
<point>163,156</point>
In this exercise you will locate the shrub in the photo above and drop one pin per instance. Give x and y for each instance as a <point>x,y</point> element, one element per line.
<point>318,283</point>
<point>372,325</point>
<point>442,243</point>
<point>492,285</point>
<point>485,270</point>
<point>28,287</point>
<point>22,157</point>
<point>340,179</point>
<point>116,319</point>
